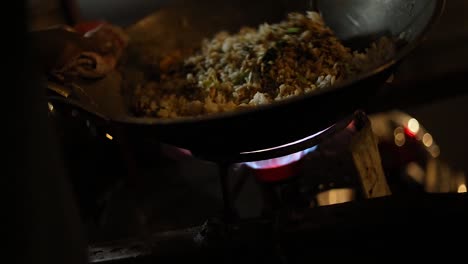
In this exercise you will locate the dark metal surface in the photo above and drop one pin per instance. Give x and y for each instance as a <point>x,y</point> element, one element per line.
<point>367,20</point>
<point>292,119</point>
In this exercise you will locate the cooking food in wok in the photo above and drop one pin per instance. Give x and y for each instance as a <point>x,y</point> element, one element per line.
<point>246,76</point>
<point>252,67</point>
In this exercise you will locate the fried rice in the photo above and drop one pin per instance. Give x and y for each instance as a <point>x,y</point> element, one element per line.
<point>253,67</point>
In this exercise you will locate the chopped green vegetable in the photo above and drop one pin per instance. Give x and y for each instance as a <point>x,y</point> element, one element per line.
<point>293,30</point>
<point>207,83</point>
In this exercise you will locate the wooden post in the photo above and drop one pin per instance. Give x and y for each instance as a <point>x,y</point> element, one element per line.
<point>368,163</point>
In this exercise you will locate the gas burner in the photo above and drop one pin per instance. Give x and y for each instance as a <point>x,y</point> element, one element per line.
<point>317,171</point>
<point>278,170</point>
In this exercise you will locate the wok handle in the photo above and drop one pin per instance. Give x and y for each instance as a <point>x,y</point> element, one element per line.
<point>73,108</point>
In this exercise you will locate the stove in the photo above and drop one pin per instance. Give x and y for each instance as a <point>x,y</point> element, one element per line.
<point>159,199</point>
<point>155,202</point>
<point>277,169</point>
<point>314,198</point>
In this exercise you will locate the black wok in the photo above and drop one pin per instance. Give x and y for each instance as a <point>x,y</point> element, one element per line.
<point>184,23</point>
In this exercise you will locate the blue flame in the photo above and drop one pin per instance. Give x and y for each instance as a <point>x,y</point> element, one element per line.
<point>281,161</point>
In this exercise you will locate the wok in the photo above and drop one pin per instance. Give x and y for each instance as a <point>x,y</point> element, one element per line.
<point>184,24</point>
